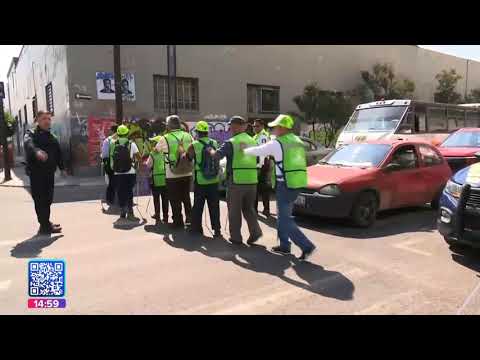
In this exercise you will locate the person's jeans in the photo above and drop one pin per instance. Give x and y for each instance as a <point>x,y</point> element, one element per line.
<point>241,201</point>
<point>210,194</point>
<point>110,192</point>
<point>178,192</point>
<point>157,192</point>
<point>41,186</point>
<point>125,184</point>
<point>263,190</point>
<point>286,226</point>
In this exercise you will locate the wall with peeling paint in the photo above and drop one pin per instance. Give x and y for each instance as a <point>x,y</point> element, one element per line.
<point>37,66</point>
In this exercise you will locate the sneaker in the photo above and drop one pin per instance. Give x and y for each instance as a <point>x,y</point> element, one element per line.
<point>235,242</point>
<point>281,250</point>
<point>175,226</point>
<point>253,239</point>
<point>123,214</point>
<point>131,217</point>
<point>306,254</point>
<point>55,225</point>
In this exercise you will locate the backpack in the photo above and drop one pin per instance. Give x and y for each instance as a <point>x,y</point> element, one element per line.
<point>210,165</point>
<point>122,162</point>
<point>182,165</point>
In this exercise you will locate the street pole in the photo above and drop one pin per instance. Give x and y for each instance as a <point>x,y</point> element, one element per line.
<point>118,84</point>
<point>3,135</point>
<point>172,78</point>
<point>169,76</point>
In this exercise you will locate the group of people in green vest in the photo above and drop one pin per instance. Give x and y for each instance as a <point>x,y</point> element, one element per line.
<point>254,165</point>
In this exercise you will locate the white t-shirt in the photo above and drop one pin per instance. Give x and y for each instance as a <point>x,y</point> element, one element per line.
<point>271,148</point>
<point>133,152</point>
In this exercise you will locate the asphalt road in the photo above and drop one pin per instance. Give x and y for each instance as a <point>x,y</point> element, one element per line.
<point>400,266</point>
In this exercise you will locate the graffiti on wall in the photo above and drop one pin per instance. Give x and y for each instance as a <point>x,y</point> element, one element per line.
<point>98,130</point>
<point>79,140</point>
<point>218,127</point>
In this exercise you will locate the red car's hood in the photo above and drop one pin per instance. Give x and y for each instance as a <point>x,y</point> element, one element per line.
<point>460,151</point>
<point>320,175</point>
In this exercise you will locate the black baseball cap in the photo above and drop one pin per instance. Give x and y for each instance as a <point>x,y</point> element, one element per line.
<point>237,120</point>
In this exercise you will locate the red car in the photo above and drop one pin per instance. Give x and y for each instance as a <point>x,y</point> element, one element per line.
<point>460,147</point>
<point>360,179</point>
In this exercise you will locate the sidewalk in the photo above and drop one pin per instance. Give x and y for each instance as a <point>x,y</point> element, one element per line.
<point>20,179</point>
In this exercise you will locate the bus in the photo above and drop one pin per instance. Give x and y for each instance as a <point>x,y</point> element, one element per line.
<point>407,119</point>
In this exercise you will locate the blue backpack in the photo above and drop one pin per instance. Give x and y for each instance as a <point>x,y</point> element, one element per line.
<point>210,165</point>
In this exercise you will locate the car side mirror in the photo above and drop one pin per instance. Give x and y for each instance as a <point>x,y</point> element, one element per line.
<point>392,167</point>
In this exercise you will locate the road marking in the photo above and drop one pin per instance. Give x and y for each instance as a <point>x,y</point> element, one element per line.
<point>406,246</point>
<point>468,299</point>
<point>4,285</point>
<point>383,307</point>
<point>290,295</point>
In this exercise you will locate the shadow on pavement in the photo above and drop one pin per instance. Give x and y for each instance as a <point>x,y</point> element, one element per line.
<point>124,224</point>
<point>33,247</point>
<point>389,222</point>
<point>466,256</point>
<point>257,258</point>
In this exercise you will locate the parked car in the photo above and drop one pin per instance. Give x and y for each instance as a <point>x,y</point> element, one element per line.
<point>358,180</point>
<point>460,147</point>
<point>314,152</point>
<point>459,213</point>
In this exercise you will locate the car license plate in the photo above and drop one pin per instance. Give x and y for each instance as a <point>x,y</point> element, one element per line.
<point>300,201</point>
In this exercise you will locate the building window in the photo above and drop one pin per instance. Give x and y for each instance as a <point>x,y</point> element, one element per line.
<point>263,99</point>
<point>49,97</point>
<point>187,94</point>
<point>34,107</point>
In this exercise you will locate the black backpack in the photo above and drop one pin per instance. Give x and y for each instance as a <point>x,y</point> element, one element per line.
<point>210,165</point>
<point>122,162</point>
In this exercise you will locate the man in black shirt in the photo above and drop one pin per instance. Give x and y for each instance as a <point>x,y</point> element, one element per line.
<point>43,156</point>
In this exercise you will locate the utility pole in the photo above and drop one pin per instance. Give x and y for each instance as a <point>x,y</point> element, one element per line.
<point>172,78</point>
<point>3,134</point>
<point>118,84</point>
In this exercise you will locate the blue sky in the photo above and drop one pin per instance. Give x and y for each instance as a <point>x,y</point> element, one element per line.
<point>465,51</point>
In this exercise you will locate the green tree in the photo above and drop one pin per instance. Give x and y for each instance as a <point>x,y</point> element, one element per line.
<point>382,83</point>
<point>11,124</point>
<point>330,109</point>
<point>447,83</point>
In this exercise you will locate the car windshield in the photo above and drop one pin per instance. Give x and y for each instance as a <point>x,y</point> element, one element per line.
<point>376,119</point>
<point>463,139</point>
<point>359,155</point>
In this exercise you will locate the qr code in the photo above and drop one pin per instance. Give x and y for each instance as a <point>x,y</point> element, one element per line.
<point>46,278</point>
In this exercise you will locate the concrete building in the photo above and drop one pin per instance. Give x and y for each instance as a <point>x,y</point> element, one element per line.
<point>214,81</point>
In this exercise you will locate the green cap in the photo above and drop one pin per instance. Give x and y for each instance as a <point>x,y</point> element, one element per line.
<point>202,126</point>
<point>156,138</point>
<point>122,130</point>
<point>285,121</point>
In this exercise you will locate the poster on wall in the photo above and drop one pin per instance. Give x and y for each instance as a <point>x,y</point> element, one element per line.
<point>98,130</point>
<point>106,86</point>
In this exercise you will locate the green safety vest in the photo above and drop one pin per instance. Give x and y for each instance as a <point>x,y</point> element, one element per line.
<point>294,164</point>
<point>173,138</point>
<point>121,141</point>
<point>198,147</point>
<point>158,169</point>
<point>244,167</point>
<point>264,133</point>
